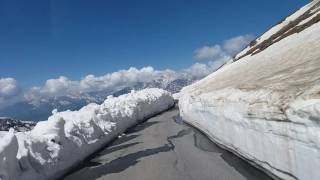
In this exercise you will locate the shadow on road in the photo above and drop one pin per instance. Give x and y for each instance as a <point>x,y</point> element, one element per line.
<point>117,148</point>
<point>101,164</point>
<point>98,169</point>
<point>120,164</point>
<point>141,127</point>
<point>123,139</point>
<point>201,141</point>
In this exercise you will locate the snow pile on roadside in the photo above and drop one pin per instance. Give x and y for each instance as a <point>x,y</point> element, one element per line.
<point>176,96</point>
<point>265,107</point>
<point>8,152</point>
<point>66,138</point>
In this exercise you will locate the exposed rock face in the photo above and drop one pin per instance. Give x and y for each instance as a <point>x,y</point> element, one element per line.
<point>20,126</point>
<point>265,106</point>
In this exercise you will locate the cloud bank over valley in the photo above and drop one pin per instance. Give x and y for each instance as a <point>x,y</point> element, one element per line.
<point>64,93</point>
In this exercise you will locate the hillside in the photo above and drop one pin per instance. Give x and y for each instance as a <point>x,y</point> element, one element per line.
<point>265,105</point>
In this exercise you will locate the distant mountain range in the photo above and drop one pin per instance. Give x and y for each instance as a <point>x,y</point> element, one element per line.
<point>20,126</point>
<point>25,110</point>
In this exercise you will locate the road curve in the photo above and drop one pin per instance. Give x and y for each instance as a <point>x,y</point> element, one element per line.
<point>165,148</point>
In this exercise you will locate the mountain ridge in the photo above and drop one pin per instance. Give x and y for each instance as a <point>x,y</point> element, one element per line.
<point>28,111</point>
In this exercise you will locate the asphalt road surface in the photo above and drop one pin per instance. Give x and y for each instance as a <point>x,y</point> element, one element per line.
<point>164,148</point>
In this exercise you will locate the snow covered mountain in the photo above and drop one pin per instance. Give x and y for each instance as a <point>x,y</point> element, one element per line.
<point>173,86</point>
<point>264,105</point>
<point>26,110</point>
<point>19,126</point>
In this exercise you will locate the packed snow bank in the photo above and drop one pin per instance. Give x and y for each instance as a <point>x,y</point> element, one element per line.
<point>176,96</point>
<point>8,160</point>
<point>66,138</point>
<point>265,107</point>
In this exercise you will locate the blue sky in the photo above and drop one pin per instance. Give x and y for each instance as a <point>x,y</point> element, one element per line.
<point>42,39</point>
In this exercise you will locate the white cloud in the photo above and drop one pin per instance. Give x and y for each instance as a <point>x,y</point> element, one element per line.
<point>8,87</point>
<point>8,90</point>
<point>217,55</point>
<point>63,86</point>
<point>198,70</point>
<point>225,51</point>
<point>121,78</point>
<point>209,52</point>
<point>234,45</point>
<point>52,88</point>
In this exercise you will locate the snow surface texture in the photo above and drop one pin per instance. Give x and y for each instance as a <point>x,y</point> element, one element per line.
<point>8,152</point>
<point>293,23</point>
<point>265,107</point>
<point>176,96</point>
<point>66,138</point>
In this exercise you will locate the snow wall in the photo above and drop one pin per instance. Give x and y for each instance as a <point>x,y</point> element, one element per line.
<point>265,107</point>
<point>66,138</point>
